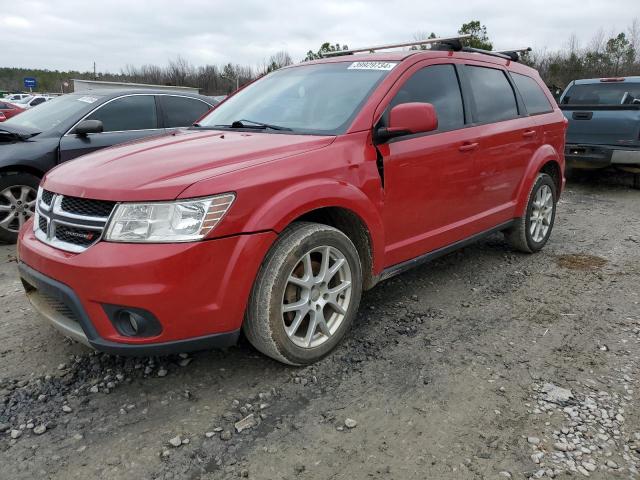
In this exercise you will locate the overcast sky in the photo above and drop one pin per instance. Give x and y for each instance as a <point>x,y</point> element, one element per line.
<point>71,34</point>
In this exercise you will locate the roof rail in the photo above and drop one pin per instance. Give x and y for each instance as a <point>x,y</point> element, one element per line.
<point>453,42</point>
<point>515,53</point>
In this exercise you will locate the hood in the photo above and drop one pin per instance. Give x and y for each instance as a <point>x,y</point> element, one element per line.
<point>10,131</point>
<point>162,167</point>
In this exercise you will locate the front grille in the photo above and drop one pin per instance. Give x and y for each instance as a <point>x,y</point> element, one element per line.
<point>71,223</point>
<point>47,196</point>
<point>86,207</point>
<point>52,302</point>
<point>57,305</point>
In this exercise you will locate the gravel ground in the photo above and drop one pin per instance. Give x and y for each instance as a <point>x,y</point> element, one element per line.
<point>484,364</point>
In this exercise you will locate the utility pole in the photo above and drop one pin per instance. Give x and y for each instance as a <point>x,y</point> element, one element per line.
<point>94,71</point>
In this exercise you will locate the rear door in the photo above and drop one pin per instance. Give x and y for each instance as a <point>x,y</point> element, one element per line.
<point>179,111</point>
<point>428,178</point>
<point>125,118</point>
<point>507,139</point>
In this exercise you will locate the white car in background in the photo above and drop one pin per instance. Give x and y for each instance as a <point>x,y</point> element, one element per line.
<point>16,97</point>
<point>33,101</point>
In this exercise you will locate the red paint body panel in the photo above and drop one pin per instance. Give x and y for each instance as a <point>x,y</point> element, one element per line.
<point>10,112</point>
<point>415,195</point>
<point>194,289</point>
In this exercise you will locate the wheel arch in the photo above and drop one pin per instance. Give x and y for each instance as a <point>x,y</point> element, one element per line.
<point>17,169</point>
<point>545,160</point>
<point>347,208</point>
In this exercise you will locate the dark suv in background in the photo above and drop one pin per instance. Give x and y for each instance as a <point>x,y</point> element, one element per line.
<point>72,125</point>
<point>604,124</point>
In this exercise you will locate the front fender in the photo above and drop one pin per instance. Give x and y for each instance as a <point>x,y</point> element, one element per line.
<point>293,202</point>
<point>546,153</point>
<point>36,156</point>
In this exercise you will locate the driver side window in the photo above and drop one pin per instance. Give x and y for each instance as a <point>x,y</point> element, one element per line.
<point>134,112</point>
<point>438,85</point>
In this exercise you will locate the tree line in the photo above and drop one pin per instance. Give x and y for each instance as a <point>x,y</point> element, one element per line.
<point>605,55</point>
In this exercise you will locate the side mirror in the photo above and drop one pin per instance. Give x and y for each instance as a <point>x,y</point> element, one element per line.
<point>88,126</point>
<point>407,119</point>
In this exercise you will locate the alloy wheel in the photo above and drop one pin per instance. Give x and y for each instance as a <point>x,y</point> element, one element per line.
<point>541,214</point>
<point>317,296</point>
<point>17,205</point>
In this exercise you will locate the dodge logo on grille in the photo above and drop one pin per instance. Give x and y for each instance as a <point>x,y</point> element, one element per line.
<point>84,236</point>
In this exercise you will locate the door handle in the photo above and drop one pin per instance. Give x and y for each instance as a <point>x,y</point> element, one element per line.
<point>529,134</point>
<point>467,147</point>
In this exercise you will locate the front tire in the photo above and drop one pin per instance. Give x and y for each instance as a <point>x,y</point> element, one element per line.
<point>306,294</point>
<point>17,203</point>
<point>532,231</point>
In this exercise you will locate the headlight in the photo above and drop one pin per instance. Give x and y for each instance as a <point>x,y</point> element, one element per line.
<point>179,221</point>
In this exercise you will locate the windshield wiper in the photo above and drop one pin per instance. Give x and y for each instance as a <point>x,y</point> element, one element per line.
<point>241,124</point>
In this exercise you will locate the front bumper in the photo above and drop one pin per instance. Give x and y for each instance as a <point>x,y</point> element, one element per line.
<point>197,291</point>
<point>600,156</point>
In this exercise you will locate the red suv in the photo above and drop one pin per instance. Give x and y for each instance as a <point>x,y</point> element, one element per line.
<point>277,210</point>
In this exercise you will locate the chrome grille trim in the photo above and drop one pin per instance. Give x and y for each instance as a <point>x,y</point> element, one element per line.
<point>56,216</point>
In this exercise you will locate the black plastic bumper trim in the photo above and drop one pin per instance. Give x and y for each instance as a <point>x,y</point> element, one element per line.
<point>218,340</point>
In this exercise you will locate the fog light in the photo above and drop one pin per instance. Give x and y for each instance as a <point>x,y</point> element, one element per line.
<point>133,322</point>
<point>130,322</point>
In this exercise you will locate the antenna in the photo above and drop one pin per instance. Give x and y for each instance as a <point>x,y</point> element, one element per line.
<point>453,42</point>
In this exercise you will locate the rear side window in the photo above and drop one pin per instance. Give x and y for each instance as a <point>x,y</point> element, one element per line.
<point>181,111</point>
<point>438,85</point>
<point>492,93</point>
<point>137,112</point>
<point>37,101</point>
<point>534,98</point>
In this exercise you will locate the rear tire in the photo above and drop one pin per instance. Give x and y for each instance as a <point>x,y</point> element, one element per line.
<point>17,203</point>
<point>531,231</point>
<point>306,294</point>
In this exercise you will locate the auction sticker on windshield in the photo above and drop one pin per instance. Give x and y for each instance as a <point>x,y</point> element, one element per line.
<point>372,65</point>
<point>87,99</point>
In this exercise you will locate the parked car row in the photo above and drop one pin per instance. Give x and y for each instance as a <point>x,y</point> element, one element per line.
<point>277,209</point>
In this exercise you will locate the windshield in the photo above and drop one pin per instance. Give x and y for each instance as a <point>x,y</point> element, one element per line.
<point>50,114</point>
<point>618,93</point>
<point>313,99</point>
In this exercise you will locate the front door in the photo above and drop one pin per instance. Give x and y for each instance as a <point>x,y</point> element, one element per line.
<point>124,119</point>
<point>428,178</point>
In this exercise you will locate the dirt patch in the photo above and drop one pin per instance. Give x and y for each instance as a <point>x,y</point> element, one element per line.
<point>444,375</point>
<point>581,261</point>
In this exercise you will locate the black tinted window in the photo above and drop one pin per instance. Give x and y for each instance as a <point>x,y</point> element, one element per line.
<point>534,98</point>
<point>37,101</point>
<point>137,112</point>
<point>437,85</point>
<point>4,106</point>
<point>182,111</point>
<point>603,93</point>
<point>493,95</point>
